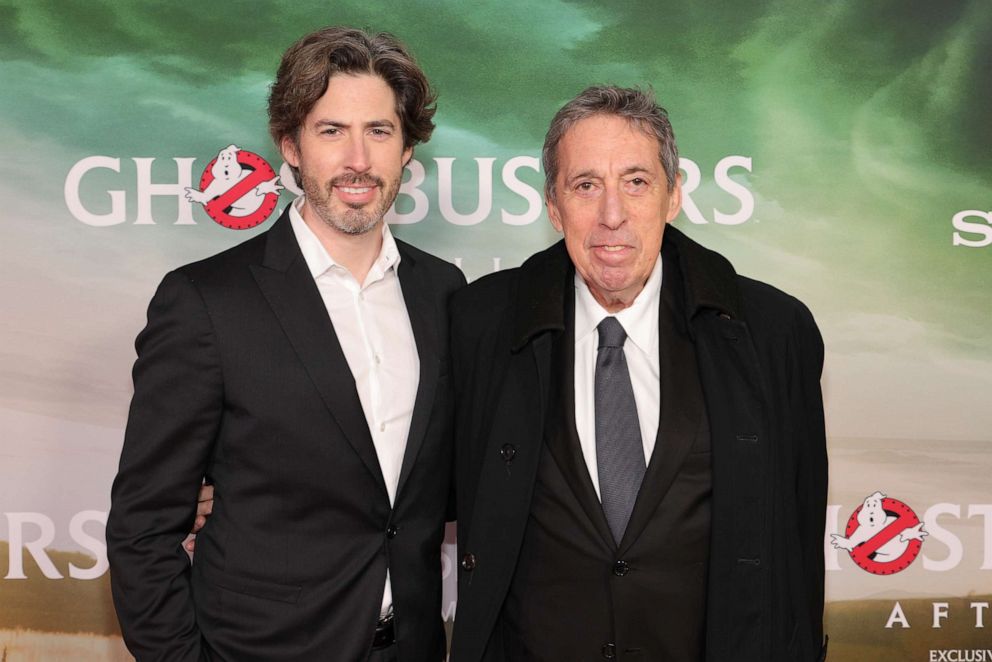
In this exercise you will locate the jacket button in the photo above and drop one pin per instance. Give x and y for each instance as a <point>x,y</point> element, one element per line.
<point>391,532</point>
<point>609,651</point>
<point>468,562</point>
<point>508,452</point>
<point>620,568</point>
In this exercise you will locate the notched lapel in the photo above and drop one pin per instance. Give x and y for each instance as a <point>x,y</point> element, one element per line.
<point>563,438</point>
<point>680,422</point>
<point>292,294</point>
<point>416,286</point>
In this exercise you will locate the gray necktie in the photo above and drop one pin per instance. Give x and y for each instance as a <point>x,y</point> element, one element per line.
<point>619,449</point>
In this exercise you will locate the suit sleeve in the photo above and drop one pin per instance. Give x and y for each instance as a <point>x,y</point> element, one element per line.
<point>172,424</point>
<point>811,477</point>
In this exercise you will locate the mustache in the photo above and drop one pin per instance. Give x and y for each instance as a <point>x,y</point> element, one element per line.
<point>356,180</point>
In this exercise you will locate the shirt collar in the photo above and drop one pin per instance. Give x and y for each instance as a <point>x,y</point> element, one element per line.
<point>319,260</point>
<point>639,320</point>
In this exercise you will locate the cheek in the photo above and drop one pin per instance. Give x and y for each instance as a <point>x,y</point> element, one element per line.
<point>573,242</point>
<point>579,218</point>
<point>388,157</point>
<point>649,227</point>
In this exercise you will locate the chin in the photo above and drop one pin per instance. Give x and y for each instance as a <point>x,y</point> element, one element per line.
<point>611,281</point>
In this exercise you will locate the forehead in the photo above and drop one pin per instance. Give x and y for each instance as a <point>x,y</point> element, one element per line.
<point>602,143</point>
<point>357,95</point>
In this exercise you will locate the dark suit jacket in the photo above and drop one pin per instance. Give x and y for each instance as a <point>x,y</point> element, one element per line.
<point>759,357</point>
<point>240,377</point>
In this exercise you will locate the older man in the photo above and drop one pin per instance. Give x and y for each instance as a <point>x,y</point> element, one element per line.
<point>641,465</point>
<point>304,372</point>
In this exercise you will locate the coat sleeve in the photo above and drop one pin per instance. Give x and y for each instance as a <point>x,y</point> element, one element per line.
<point>457,282</point>
<point>459,369</point>
<point>811,476</point>
<point>173,422</point>
<point>470,360</point>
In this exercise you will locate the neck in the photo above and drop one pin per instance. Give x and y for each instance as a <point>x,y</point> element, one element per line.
<point>354,252</point>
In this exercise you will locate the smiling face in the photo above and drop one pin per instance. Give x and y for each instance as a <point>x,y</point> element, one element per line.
<point>612,204</point>
<point>350,154</point>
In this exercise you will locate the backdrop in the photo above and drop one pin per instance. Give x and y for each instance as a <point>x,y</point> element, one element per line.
<point>837,150</point>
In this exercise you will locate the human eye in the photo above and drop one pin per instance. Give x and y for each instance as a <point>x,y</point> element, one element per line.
<point>330,131</point>
<point>637,184</point>
<point>585,188</point>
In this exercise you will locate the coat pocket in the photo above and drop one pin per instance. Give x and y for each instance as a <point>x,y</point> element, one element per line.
<point>256,587</point>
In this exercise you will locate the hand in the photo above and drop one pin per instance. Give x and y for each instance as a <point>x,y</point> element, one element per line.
<point>204,506</point>
<point>194,195</point>
<point>271,186</point>
<point>840,542</point>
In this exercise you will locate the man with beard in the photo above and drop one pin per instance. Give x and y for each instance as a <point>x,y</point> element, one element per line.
<point>304,373</point>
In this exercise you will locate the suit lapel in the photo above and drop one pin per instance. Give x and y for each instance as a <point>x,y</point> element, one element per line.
<point>682,413</point>
<point>563,437</point>
<point>416,287</point>
<point>292,294</point>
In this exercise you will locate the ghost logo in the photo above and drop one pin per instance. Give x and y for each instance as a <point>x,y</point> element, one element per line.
<point>883,535</point>
<point>238,189</point>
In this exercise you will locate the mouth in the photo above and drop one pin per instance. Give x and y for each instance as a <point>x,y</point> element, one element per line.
<point>353,194</point>
<point>612,254</point>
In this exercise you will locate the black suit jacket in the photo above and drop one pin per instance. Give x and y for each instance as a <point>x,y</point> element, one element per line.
<point>574,589</point>
<point>759,357</point>
<point>240,377</point>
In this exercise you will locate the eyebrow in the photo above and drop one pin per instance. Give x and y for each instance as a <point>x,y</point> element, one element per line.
<point>630,170</point>
<point>582,175</point>
<point>344,125</point>
<point>635,168</point>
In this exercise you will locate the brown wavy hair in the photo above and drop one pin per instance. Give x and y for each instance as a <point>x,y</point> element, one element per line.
<point>308,65</point>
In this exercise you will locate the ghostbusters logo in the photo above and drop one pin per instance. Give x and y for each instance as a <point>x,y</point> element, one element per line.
<point>238,189</point>
<point>883,535</point>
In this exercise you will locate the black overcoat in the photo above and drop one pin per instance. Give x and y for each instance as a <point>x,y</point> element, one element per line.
<point>759,357</point>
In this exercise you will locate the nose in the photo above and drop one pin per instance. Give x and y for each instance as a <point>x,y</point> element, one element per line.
<point>357,158</point>
<point>613,212</point>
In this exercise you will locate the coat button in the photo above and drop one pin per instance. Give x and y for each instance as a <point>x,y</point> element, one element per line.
<point>620,568</point>
<point>468,562</point>
<point>508,452</point>
<point>391,532</point>
<point>609,651</point>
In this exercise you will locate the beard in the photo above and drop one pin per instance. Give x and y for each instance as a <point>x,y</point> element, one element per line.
<point>352,219</point>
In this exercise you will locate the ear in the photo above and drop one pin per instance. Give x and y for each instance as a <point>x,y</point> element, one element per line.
<point>407,155</point>
<point>553,214</point>
<point>290,153</point>
<point>674,200</point>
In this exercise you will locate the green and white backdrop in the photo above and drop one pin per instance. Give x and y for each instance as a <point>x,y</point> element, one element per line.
<point>839,150</point>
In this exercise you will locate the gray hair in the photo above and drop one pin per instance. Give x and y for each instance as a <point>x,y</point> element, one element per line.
<point>633,104</point>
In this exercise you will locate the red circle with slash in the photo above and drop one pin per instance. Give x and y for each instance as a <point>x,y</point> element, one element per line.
<point>905,519</point>
<point>219,208</point>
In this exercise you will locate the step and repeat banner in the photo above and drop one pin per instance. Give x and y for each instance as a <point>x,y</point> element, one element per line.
<point>841,151</point>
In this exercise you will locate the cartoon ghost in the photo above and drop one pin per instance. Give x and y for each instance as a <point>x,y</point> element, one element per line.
<point>872,518</point>
<point>227,172</point>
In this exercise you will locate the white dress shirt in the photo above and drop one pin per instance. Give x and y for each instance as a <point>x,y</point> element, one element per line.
<point>373,328</point>
<point>640,321</point>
